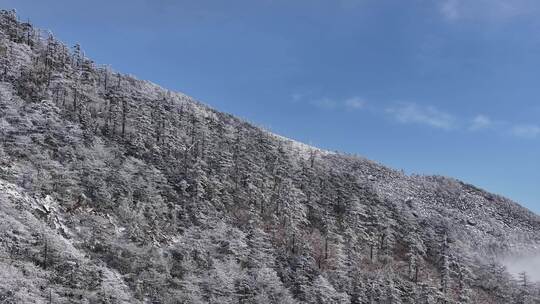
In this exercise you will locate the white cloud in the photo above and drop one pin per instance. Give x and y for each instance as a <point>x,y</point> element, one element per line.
<point>325,103</point>
<point>494,10</point>
<point>352,103</point>
<point>481,122</point>
<point>411,113</point>
<point>525,263</point>
<point>526,131</point>
<point>355,103</point>
<point>427,115</point>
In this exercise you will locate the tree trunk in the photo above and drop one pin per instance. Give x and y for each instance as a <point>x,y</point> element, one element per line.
<point>124,112</point>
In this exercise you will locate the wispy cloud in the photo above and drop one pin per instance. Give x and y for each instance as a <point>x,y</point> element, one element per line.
<point>325,103</point>
<point>504,127</point>
<point>424,114</point>
<point>351,103</point>
<point>526,131</point>
<point>355,103</point>
<point>412,113</point>
<point>494,10</point>
<point>529,263</point>
<point>481,122</point>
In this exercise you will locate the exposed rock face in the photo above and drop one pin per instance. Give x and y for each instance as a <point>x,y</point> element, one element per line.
<point>114,190</point>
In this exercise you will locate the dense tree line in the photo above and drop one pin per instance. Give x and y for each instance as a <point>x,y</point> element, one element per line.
<point>160,199</point>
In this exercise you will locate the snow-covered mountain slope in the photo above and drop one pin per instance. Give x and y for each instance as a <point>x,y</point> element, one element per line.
<point>115,190</point>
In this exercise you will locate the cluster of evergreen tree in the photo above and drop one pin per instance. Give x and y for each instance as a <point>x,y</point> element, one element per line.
<point>160,199</point>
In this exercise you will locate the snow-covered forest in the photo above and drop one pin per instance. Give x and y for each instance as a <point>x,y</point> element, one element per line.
<point>115,190</point>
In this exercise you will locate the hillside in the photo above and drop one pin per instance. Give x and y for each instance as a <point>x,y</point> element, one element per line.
<point>115,190</point>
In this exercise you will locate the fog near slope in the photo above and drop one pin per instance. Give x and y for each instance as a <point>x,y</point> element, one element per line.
<point>525,263</point>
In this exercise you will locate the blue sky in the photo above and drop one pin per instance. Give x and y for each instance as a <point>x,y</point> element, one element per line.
<point>446,87</point>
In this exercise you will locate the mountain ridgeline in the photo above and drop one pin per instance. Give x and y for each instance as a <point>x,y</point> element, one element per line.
<point>115,190</point>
